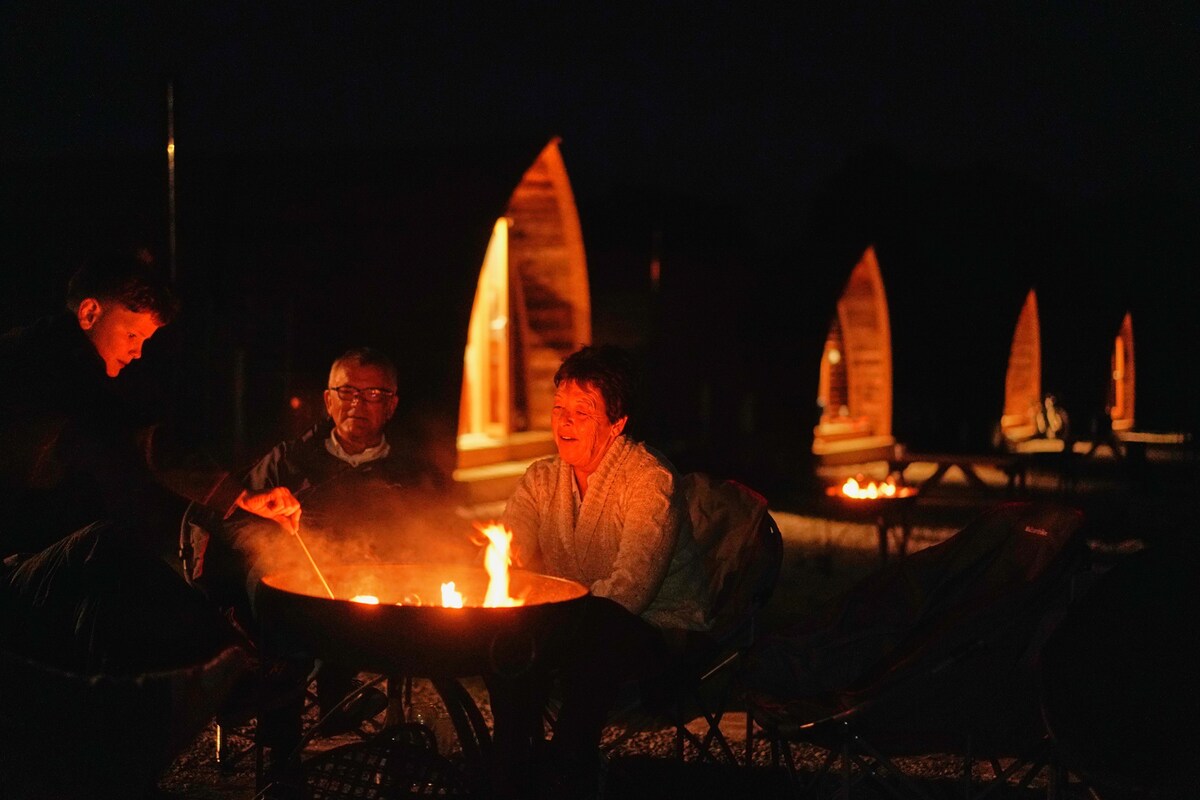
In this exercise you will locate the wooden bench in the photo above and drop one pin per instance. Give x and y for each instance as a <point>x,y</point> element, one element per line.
<point>1134,444</point>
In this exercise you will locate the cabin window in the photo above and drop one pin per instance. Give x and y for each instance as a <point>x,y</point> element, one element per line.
<point>1121,388</point>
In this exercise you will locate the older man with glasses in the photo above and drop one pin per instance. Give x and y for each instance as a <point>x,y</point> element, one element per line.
<point>367,496</point>
<point>361,398</point>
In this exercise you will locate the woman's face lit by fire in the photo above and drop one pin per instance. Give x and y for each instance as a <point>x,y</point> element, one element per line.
<point>579,421</point>
<point>357,422</point>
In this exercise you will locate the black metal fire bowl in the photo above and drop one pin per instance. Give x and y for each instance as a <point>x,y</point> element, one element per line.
<point>296,615</point>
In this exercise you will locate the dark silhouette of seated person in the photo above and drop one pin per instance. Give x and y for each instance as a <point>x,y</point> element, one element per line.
<point>93,486</point>
<point>1052,420</point>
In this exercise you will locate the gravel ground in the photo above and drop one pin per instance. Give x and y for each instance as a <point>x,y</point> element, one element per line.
<point>823,556</point>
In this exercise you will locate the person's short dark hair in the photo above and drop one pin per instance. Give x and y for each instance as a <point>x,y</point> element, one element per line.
<point>607,368</point>
<point>130,277</point>
<point>367,357</point>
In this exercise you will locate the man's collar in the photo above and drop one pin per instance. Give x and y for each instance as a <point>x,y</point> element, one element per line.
<point>370,454</point>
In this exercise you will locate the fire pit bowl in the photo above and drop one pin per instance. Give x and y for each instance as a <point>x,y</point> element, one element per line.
<point>873,505</point>
<point>885,510</point>
<point>419,636</point>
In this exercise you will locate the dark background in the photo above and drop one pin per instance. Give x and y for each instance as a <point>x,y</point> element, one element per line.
<point>983,150</point>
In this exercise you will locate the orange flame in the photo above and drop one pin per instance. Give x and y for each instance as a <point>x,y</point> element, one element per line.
<point>854,487</point>
<point>450,597</point>
<point>496,561</point>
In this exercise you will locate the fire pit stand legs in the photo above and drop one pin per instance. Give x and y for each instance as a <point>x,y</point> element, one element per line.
<point>469,725</point>
<point>883,524</point>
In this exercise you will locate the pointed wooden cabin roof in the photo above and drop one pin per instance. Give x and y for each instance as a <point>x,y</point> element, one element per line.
<point>856,368</point>
<point>550,280</point>
<point>1023,378</point>
<point>866,330</point>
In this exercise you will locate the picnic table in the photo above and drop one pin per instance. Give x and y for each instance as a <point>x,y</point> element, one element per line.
<point>1015,466</point>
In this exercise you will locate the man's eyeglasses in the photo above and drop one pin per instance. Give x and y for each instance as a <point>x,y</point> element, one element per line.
<point>371,395</point>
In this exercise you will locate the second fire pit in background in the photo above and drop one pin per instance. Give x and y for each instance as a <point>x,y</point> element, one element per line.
<point>887,504</point>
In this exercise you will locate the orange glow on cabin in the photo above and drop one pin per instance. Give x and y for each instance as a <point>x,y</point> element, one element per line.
<point>854,390</point>
<point>1023,377</point>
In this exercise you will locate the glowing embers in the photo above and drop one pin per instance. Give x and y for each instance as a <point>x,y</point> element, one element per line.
<point>859,488</point>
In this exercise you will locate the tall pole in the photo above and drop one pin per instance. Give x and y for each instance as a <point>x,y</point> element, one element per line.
<point>171,179</point>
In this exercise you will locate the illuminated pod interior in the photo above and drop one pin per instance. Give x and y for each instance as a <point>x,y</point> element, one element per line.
<point>532,308</point>
<point>855,385</point>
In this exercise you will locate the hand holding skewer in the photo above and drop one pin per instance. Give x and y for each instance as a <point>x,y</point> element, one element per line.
<point>282,506</point>
<point>277,504</point>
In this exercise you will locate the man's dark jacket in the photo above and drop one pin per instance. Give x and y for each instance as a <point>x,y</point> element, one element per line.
<point>396,508</point>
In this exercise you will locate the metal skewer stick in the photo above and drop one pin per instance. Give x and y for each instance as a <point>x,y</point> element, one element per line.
<point>316,569</point>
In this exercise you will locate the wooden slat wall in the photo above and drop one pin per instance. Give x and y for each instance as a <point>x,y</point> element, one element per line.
<point>867,340</point>
<point>548,268</point>
<point>1023,379</point>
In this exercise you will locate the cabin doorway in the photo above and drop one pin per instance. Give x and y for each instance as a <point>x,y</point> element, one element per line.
<point>486,408</point>
<point>1121,387</point>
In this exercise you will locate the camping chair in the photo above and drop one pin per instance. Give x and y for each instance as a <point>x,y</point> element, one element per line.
<point>1116,680</point>
<point>934,654</point>
<point>743,552</point>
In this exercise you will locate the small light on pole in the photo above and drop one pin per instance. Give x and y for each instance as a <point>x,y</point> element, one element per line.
<point>171,178</point>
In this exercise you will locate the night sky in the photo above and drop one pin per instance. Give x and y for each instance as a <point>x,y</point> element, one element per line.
<point>709,98</point>
<point>1064,135</point>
